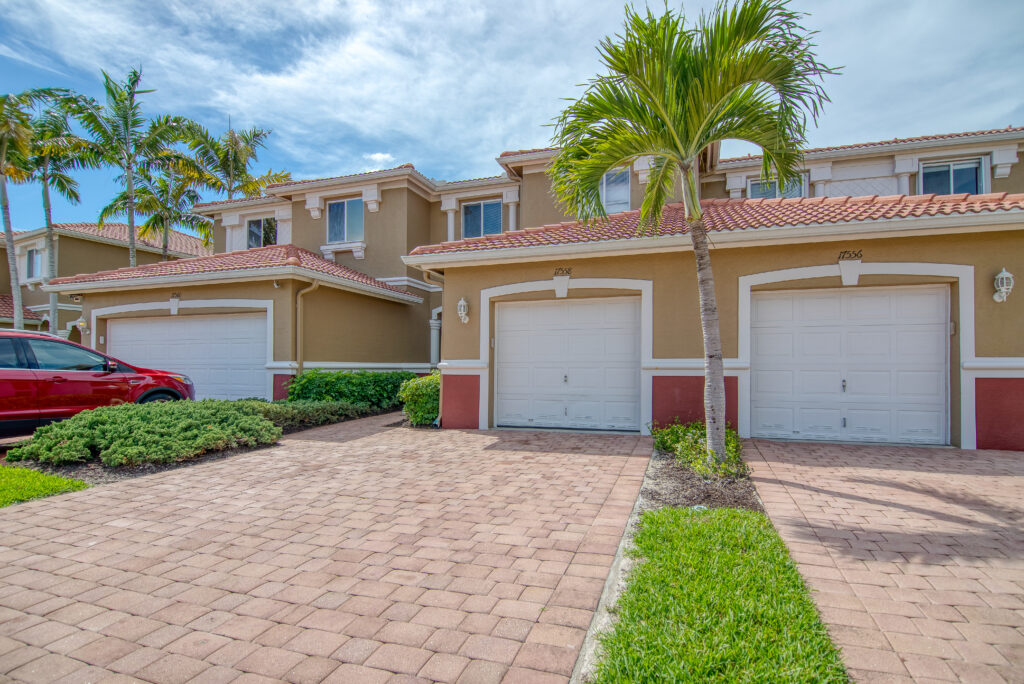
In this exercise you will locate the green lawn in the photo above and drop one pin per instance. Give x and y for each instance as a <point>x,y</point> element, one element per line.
<point>715,597</point>
<point>22,484</point>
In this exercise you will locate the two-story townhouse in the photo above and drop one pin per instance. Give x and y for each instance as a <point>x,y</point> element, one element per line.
<point>872,303</point>
<point>80,248</point>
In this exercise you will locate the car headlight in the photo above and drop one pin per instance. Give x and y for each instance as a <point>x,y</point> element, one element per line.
<point>182,379</point>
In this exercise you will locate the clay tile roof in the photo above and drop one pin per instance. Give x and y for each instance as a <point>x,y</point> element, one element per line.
<point>261,257</point>
<point>7,309</point>
<point>726,215</point>
<point>513,153</point>
<point>179,242</point>
<point>342,177</point>
<point>894,141</point>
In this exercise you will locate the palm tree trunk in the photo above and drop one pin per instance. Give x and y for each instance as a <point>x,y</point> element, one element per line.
<point>166,235</point>
<point>51,253</point>
<point>12,258</point>
<point>714,369</point>
<point>129,183</point>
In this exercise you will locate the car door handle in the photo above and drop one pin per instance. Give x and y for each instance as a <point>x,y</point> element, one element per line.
<point>58,378</point>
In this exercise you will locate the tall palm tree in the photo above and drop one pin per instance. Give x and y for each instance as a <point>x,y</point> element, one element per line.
<point>128,140</point>
<point>167,199</point>
<point>15,138</point>
<point>745,71</point>
<point>222,164</point>
<point>55,151</point>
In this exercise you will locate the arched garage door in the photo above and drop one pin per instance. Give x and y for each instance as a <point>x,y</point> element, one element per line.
<point>225,355</point>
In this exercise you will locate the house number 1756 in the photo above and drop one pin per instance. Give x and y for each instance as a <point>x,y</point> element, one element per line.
<point>850,254</point>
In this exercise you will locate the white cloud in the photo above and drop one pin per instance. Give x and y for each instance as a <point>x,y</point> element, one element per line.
<point>378,160</point>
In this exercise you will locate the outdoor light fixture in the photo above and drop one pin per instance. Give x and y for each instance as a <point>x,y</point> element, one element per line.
<point>82,326</point>
<point>1004,285</point>
<point>462,308</point>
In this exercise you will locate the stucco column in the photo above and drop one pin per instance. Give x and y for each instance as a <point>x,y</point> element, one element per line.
<point>512,215</point>
<point>903,183</point>
<point>435,341</point>
<point>511,198</point>
<point>449,205</point>
<point>451,224</point>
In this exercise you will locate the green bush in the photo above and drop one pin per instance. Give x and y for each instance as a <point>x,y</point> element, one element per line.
<point>688,442</point>
<point>133,434</point>
<point>22,484</point>
<point>301,414</point>
<point>379,391</point>
<point>422,398</point>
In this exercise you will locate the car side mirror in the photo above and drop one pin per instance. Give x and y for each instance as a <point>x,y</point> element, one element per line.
<point>111,366</point>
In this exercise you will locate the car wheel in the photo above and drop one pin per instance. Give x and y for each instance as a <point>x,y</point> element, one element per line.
<point>158,396</point>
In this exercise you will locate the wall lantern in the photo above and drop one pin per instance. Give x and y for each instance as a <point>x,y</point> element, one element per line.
<point>82,326</point>
<point>462,308</point>
<point>1004,285</point>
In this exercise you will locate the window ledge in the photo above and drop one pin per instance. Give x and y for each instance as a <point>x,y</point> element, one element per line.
<point>358,249</point>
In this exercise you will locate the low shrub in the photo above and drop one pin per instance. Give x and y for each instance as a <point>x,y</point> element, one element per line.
<point>298,415</point>
<point>22,484</point>
<point>378,391</point>
<point>422,398</point>
<point>133,434</point>
<point>688,442</point>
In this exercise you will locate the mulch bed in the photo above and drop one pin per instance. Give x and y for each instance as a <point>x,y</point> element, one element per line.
<point>669,484</point>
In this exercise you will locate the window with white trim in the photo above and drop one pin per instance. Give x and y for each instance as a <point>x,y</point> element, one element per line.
<point>33,264</point>
<point>261,232</point>
<point>615,190</point>
<point>481,218</point>
<point>953,177</point>
<point>769,189</point>
<point>345,221</point>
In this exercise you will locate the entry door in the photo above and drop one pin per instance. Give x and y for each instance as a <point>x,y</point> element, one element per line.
<point>570,363</point>
<point>865,365</point>
<point>225,355</point>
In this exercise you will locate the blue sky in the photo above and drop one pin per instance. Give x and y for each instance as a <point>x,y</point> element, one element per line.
<point>351,86</point>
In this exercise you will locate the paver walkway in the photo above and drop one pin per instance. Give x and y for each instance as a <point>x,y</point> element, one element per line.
<point>350,553</point>
<point>915,555</point>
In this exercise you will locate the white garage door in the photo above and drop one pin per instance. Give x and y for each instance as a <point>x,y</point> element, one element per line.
<point>225,355</point>
<point>865,365</point>
<point>572,363</point>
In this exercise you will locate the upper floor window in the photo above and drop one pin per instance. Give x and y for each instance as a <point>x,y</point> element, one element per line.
<point>481,218</point>
<point>261,232</point>
<point>615,190</point>
<point>33,264</point>
<point>952,178</point>
<point>769,189</point>
<point>345,221</point>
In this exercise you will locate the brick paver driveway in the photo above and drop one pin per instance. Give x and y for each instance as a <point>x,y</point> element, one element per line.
<point>916,555</point>
<point>351,553</point>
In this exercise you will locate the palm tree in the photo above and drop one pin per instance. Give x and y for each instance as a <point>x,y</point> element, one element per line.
<point>127,139</point>
<point>222,164</point>
<point>167,199</point>
<point>55,151</point>
<point>745,71</point>
<point>15,138</point>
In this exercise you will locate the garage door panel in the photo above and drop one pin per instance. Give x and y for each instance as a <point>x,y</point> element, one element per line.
<point>225,355</point>
<point>893,355</point>
<point>582,369</point>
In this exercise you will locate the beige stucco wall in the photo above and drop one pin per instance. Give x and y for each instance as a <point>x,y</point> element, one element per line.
<point>1015,181</point>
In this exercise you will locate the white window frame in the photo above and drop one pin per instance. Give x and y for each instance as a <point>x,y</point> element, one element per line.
<point>629,187</point>
<point>261,219</point>
<point>481,203</point>
<point>984,171</point>
<point>804,185</point>
<point>38,275</point>
<point>327,223</point>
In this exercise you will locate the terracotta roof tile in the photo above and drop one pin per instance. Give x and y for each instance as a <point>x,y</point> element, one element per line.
<point>513,153</point>
<point>725,215</point>
<point>179,242</point>
<point>883,143</point>
<point>7,309</point>
<point>261,257</point>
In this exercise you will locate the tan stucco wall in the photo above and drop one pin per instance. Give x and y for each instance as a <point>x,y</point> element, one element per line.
<point>1015,181</point>
<point>676,308</point>
<point>75,256</point>
<point>537,206</point>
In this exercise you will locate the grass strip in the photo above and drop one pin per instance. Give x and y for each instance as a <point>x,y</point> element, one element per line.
<point>23,484</point>
<point>715,598</point>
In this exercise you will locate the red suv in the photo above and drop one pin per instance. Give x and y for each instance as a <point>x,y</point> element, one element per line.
<point>45,378</point>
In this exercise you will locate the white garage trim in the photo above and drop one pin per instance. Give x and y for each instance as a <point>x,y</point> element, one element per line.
<point>266,304</point>
<point>850,271</point>
<point>481,366</point>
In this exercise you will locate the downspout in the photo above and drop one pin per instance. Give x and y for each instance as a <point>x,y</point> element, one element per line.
<point>300,323</point>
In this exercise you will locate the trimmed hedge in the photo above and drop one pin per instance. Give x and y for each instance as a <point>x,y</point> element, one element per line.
<point>422,398</point>
<point>133,434</point>
<point>299,415</point>
<point>689,444</point>
<point>378,391</point>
